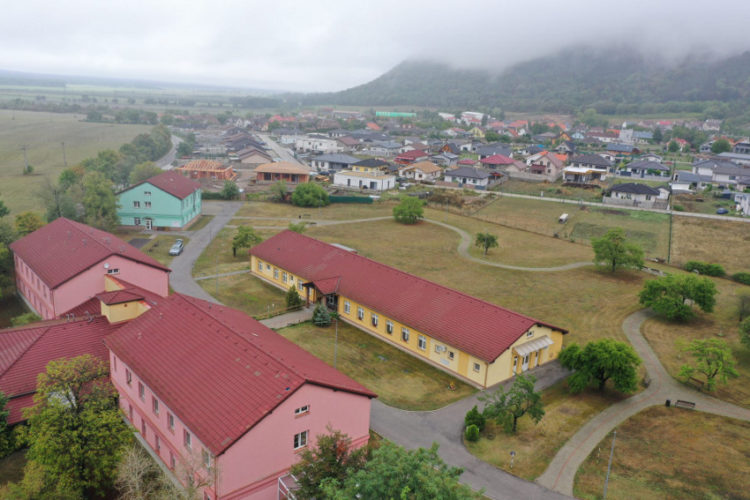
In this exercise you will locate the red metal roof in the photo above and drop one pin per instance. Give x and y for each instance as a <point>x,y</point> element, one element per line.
<point>219,370</point>
<point>467,161</point>
<point>63,248</point>
<point>119,297</point>
<point>497,160</point>
<point>173,183</point>
<point>25,352</point>
<point>477,327</point>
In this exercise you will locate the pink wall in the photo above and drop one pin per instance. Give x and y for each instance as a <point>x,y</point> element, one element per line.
<point>243,464</point>
<point>91,281</point>
<point>36,292</point>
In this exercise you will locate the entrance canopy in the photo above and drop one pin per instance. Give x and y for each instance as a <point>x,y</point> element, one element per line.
<point>533,345</point>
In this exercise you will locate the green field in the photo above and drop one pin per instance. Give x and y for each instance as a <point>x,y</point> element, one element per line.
<point>43,135</point>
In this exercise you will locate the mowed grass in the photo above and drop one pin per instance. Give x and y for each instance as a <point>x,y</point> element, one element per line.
<point>722,242</point>
<point>335,211</point>
<point>43,135</point>
<point>218,258</point>
<point>158,248</point>
<point>553,190</point>
<point>202,222</point>
<point>396,377</point>
<point>536,444</point>
<point>666,339</point>
<point>671,453</point>
<point>245,292</point>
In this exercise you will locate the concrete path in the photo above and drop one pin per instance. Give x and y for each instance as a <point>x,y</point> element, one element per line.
<point>561,472</point>
<point>290,318</point>
<point>221,275</point>
<point>181,278</point>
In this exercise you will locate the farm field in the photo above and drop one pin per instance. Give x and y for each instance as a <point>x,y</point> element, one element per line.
<point>43,134</point>
<point>696,456</point>
<point>552,190</point>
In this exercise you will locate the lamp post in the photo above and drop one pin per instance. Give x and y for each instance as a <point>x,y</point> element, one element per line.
<point>609,466</point>
<point>512,456</point>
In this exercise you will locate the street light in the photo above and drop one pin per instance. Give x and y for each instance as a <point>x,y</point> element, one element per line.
<point>512,456</point>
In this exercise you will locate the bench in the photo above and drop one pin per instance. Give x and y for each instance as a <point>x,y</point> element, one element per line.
<point>684,404</point>
<point>696,382</point>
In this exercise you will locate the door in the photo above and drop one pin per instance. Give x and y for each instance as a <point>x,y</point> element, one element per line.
<point>149,224</point>
<point>525,365</point>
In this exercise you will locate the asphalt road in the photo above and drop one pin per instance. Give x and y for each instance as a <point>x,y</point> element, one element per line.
<point>165,162</point>
<point>280,151</point>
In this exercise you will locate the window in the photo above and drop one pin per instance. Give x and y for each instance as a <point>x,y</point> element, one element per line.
<point>300,440</point>
<point>389,327</point>
<point>141,391</point>
<point>260,266</point>
<point>136,204</point>
<point>187,439</point>
<point>143,428</point>
<point>275,274</point>
<point>374,320</point>
<point>360,313</point>
<point>347,307</point>
<point>147,193</point>
<point>530,333</point>
<point>155,405</point>
<point>136,221</point>
<point>299,285</point>
<point>171,460</point>
<point>268,267</point>
<point>148,204</point>
<point>476,367</point>
<point>158,443</point>
<point>422,342</point>
<point>405,334</point>
<point>451,355</point>
<point>302,410</point>
<point>283,277</point>
<point>113,271</point>
<point>515,362</point>
<point>206,456</point>
<point>128,376</point>
<point>170,421</point>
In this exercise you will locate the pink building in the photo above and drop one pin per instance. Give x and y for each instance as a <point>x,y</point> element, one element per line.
<point>61,265</point>
<point>219,394</point>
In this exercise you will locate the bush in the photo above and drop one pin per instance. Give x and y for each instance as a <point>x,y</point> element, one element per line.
<point>475,418</point>
<point>293,300</point>
<point>310,195</point>
<point>678,208</point>
<point>409,211</point>
<point>743,278</point>
<point>472,433</point>
<point>321,316</point>
<point>705,268</point>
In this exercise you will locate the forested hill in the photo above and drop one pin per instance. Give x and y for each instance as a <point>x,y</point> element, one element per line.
<point>564,82</point>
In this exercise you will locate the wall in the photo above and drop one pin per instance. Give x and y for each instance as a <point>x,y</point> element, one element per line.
<point>276,275</point>
<point>166,210</point>
<point>502,368</point>
<point>37,294</point>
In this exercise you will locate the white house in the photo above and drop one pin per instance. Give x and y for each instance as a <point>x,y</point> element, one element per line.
<point>743,202</point>
<point>371,181</point>
<point>468,176</point>
<point>635,195</point>
<point>332,162</point>
<point>317,143</point>
<point>421,171</point>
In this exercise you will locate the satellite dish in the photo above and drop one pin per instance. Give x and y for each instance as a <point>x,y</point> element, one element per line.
<point>106,265</point>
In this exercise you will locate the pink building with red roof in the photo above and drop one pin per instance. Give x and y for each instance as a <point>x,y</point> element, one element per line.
<point>62,265</point>
<point>475,340</point>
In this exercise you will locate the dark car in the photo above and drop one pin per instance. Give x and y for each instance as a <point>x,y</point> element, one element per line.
<point>722,211</point>
<point>177,248</point>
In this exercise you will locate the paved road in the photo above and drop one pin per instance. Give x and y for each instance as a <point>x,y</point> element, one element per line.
<point>181,278</point>
<point>280,151</point>
<point>165,162</point>
<point>561,472</point>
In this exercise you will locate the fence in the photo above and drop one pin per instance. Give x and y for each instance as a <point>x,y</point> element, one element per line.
<point>350,199</point>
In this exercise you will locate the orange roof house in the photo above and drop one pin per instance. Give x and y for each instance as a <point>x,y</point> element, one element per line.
<point>208,169</point>
<point>282,171</point>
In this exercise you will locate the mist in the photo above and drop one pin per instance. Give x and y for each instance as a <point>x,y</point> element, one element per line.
<point>335,44</point>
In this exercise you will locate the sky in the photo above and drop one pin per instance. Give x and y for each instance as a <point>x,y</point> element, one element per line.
<point>327,45</point>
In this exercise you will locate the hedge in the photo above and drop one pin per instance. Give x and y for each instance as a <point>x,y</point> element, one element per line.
<point>472,433</point>
<point>350,199</point>
<point>705,268</point>
<point>743,278</point>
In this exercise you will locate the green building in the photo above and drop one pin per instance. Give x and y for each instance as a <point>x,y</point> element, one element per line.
<point>394,114</point>
<point>168,200</point>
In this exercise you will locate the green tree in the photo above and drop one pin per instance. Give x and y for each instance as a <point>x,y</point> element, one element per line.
<point>658,136</point>
<point>720,146</point>
<point>395,473</point>
<point>673,147</point>
<point>245,237</point>
<point>614,251</point>
<point>24,319</point>
<point>321,316</point>
<point>507,407</point>
<point>299,227</point>
<point>70,177</point>
<point>3,209</point>
<point>409,210</point>
<point>600,361</point>
<point>475,417</point>
<point>745,332</point>
<point>332,458</point>
<point>310,195</point>
<point>492,136</point>
<point>76,432</point>
<point>293,299</point>
<point>7,443</point>
<point>28,222</point>
<point>713,360</point>
<point>486,241</point>
<point>56,201</point>
<point>185,149</point>
<point>230,191</point>
<point>671,296</point>
<point>278,191</point>
<point>144,171</point>
<point>99,202</point>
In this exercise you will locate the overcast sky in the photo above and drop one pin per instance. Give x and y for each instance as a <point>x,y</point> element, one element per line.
<point>311,45</point>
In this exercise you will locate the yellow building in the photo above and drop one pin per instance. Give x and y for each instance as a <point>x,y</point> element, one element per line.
<point>474,340</point>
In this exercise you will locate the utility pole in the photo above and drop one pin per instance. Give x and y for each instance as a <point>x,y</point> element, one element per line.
<point>65,160</point>
<point>609,466</point>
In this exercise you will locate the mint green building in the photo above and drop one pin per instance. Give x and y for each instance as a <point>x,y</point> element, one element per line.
<point>168,200</point>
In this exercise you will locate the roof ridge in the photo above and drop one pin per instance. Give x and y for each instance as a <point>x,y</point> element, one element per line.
<point>41,334</point>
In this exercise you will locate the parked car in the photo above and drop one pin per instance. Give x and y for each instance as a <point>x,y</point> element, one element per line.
<point>722,211</point>
<point>177,248</point>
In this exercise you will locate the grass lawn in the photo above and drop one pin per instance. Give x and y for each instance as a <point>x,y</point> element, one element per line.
<point>11,467</point>
<point>552,190</point>
<point>246,293</point>
<point>717,241</point>
<point>202,221</point>
<point>217,258</point>
<point>397,378</point>
<point>536,444</point>
<point>331,212</point>
<point>704,203</point>
<point>158,248</point>
<point>43,135</point>
<point>671,453</point>
<point>665,338</point>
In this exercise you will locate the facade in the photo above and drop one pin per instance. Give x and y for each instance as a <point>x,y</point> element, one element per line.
<point>469,177</point>
<point>421,171</point>
<point>583,175</point>
<point>291,173</point>
<point>372,181</point>
<point>642,168</point>
<point>168,200</point>
<point>635,195</point>
<point>51,289</point>
<point>332,162</point>
<point>208,169</point>
<point>317,143</point>
<point>474,340</point>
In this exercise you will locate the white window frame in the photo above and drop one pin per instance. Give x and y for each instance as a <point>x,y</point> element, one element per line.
<point>260,266</point>
<point>206,458</point>
<point>300,440</point>
<point>302,410</point>
<point>170,421</point>
<point>360,313</point>
<point>142,391</point>
<point>299,285</point>
<point>147,193</point>
<point>128,376</point>
<point>155,405</point>
<point>147,204</point>
<point>136,204</point>
<point>136,221</point>
<point>347,307</point>
<point>389,327</point>
<point>374,319</point>
<point>477,367</point>
<point>405,334</point>
<point>283,277</point>
<point>113,271</point>
<point>422,342</point>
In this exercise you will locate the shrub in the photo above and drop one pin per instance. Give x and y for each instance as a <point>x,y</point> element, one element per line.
<point>705,268</point>
<point>474,417</point>
<point>293,300</point>
<point>321,316</point>
<point>743,278</point>
<point>472,433</point>
<point>310,195</point>
<point>678,208</point>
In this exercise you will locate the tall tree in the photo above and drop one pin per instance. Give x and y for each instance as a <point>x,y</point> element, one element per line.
<point>486,241</point>
<point>56,201</point>
<point>76,433</point>
<point>99,202</point>
<point>28,222</point>
<point>6,438</point>
<point>507,407</point>
<point>720,146</point>
<point>614,251</point>
<point>713,360</point>
<point>332,458</point>
<point>245,237</point>
<point>409,210</point>
<point>671,296</point>
<point>600,361</point>
<point>144,171</point>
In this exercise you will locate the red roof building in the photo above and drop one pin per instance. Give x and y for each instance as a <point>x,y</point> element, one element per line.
<point>434,320</point>
<point>61,265</point>
<point>412,156</point>
<point>496,161</point>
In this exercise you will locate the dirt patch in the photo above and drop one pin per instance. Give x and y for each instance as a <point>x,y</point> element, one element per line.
<point>139,242</point>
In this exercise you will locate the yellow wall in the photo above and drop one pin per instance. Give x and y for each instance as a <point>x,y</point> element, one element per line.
<point>275,275</point>
<point>125,311</point>
<point>364,169</point>
<point>502,368</point>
